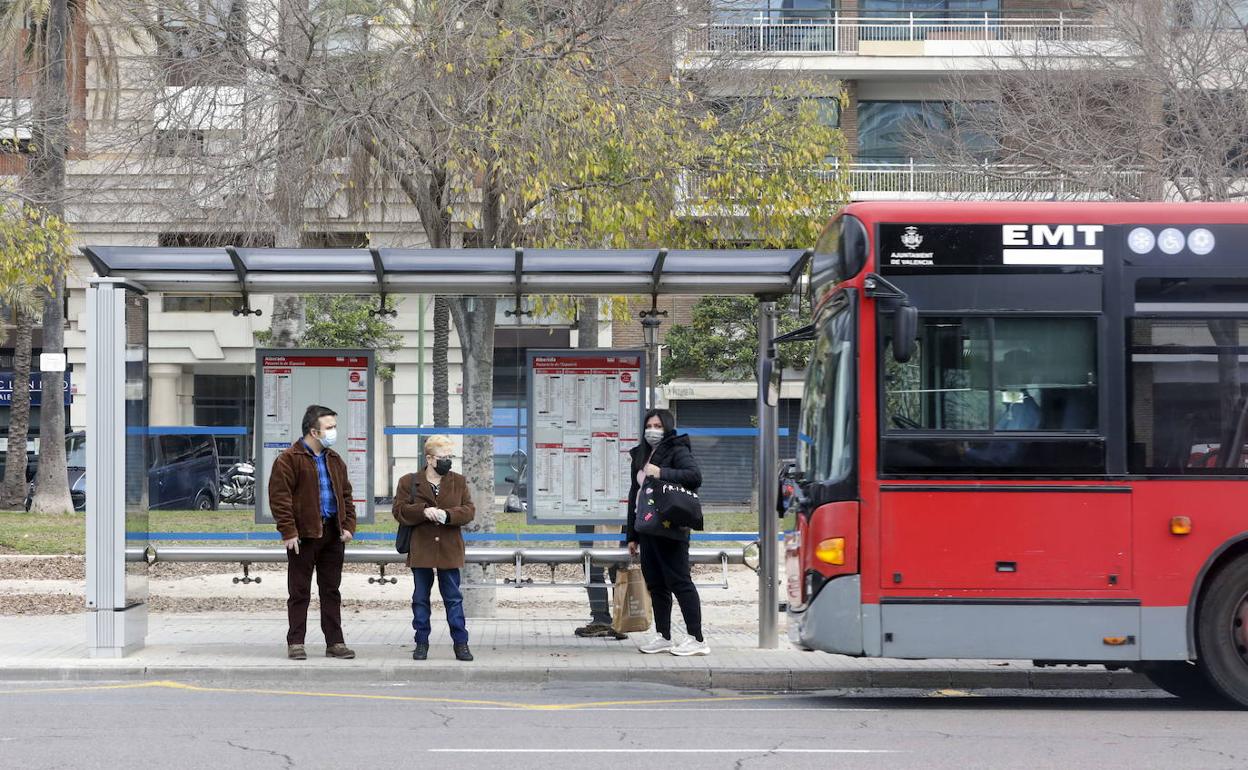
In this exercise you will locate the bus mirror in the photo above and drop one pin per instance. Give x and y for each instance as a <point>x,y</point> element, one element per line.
<point>770,388</point>
<point>905,327</point>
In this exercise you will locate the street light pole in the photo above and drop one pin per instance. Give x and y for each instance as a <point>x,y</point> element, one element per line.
<point>650,330</point>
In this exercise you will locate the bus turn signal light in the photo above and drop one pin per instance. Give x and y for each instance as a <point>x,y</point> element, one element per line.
<point>1180,525</point>
<point>831,551</point>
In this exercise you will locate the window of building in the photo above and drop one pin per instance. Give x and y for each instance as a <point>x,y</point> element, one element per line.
<point>1189,395</point>
<point>774,11</point>
<point>896,131</point>
<point>1000,385</point>
<point>15,120</point>
<point>216,240</point>
<point>937,9</point>
<point>197,304</point>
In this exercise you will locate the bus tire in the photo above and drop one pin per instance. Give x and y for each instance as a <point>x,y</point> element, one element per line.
<point>1222,631</point>
<point>1180,678</point>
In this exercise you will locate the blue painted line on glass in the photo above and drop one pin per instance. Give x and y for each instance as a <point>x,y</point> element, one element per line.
<point>402,430</point>
<point>471,536</point>
<point>196,430</point>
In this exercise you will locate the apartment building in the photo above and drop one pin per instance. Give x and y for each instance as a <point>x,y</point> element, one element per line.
<point>889,55</point>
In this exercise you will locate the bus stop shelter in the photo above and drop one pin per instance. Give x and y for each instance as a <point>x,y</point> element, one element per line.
<point>117,355</point>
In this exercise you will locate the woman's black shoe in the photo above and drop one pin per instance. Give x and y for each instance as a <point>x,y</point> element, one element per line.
<point>421,652</point>
<point>462,653</point>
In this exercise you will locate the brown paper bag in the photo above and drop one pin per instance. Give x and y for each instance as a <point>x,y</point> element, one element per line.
<point>631,600</point>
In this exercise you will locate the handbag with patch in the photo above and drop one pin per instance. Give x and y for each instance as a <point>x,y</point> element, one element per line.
<point>663,506</point>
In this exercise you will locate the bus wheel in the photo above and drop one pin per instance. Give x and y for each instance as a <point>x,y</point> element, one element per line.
<point>1180,678</point>
<point>1222,632</point>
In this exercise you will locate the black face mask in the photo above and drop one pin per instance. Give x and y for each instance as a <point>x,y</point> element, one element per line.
<point>442,467</point>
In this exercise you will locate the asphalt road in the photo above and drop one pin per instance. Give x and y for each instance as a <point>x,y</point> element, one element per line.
<point>183,725</point>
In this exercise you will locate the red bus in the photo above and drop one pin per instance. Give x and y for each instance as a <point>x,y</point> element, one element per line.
<point>1024,435</point>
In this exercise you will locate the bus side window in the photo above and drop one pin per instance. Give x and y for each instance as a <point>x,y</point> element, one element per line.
<point>1189,396</point>
<point>993,394</point>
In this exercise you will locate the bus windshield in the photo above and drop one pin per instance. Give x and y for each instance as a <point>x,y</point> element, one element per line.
<point>826,446</point>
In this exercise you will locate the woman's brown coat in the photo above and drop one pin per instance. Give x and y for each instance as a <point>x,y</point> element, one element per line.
<point>440,546</point>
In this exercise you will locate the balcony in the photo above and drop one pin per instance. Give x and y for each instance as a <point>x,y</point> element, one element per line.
<point>918,180</point>
<point>915,34</point>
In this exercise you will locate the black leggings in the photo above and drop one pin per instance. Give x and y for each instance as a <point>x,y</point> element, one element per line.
<point>665,566</point>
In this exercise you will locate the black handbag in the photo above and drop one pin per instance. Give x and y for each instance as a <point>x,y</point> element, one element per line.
<point>403,538</point>
<point>664,506</point>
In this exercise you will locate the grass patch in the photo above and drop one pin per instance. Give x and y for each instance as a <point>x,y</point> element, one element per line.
<point>26,533</point>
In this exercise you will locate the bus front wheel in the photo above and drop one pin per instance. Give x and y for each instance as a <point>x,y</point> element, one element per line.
<point>1222,632</point>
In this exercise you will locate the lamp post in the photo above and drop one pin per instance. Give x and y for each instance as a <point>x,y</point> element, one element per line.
<point>650,330</point>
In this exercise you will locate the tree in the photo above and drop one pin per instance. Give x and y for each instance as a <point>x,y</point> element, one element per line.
<point>45,27</point>
<point>34,251</point>
<point>1148,102</point>
<point>344,321</point>
<point>721,342</point>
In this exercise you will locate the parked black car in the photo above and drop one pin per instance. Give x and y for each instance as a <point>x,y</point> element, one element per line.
<point>181,473</point>
<point>32,460</point>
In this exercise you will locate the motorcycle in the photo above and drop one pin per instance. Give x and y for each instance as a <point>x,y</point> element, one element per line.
<point>238,484</point>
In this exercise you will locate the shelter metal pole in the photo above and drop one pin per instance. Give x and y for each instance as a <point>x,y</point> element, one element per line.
<point>768,524</point>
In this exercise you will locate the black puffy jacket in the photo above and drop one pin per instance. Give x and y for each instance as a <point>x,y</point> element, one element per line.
<point>674,456</point>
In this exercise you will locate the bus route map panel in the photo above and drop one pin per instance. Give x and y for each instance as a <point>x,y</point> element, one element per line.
<point>584,416</point>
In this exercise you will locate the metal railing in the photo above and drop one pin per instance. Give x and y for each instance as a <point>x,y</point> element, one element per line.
<point>382,558</point>
<point>843,34</point>
<point>920,178</point>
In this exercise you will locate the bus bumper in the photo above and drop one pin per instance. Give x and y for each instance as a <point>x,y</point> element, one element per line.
<point>832,622</point>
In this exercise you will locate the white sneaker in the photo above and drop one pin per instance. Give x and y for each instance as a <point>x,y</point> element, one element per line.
<point>690,647</point>
<point>655,645</point>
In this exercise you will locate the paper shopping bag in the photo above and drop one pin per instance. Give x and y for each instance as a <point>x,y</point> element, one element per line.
<point>631,600</point>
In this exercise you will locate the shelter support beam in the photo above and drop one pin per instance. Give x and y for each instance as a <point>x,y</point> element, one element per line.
<point>768,448</point>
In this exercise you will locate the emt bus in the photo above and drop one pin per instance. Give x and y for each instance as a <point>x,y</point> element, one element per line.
<point>1024,435</point>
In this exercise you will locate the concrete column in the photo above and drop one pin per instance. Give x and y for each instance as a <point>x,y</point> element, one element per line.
<point>163,406</point>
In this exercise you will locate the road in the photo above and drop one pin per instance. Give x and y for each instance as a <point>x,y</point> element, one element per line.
<point>185,725</point>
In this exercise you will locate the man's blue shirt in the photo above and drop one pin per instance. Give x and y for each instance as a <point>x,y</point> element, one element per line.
<point>329,504</point>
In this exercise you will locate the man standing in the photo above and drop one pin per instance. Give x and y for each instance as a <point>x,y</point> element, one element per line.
<point>310,497</point>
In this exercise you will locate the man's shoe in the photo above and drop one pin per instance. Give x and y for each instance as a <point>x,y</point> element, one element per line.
<point>593,630</point>
<point>296,652</point>
<point>463,653</point>
<point>656,645</point>
<point>690,647</point>
<point>421,652</point>
<point>339,650</point>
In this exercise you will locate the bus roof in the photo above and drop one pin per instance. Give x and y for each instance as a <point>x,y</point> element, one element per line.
<point>1079,212</point>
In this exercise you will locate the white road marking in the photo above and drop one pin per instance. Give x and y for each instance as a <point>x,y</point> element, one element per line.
<point>643,710</point>
<point>763,750</point>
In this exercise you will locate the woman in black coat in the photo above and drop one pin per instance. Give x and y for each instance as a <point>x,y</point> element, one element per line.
<point>665,558</point>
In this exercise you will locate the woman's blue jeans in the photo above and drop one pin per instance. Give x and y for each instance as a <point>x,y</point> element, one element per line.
<point>448,586</point>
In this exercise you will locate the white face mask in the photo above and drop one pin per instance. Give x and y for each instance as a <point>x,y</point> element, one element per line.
<point>654,435</point>
<point>329,437</point>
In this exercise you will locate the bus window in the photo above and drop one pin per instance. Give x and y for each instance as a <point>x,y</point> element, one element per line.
<point>825,437</point>
<point>993,394</point>
<point>1188,396</point>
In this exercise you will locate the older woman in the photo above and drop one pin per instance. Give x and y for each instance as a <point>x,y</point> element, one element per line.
<point>436,502</point>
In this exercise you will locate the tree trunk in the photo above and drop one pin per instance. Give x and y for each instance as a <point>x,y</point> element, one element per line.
<point>587,322</point>
<point>13,490</point>
<point>441,363</point>
<point>476,334</point>
<point>289,311</point>
<point>47,183</point>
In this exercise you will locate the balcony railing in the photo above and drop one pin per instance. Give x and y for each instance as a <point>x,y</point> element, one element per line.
<point>917,179</point>
<point>846,34</point>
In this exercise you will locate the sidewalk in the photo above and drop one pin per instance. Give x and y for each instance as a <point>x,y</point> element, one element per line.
<point>249,647</point>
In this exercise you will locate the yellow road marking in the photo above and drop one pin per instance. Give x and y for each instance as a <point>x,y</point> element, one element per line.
<point>170,685</point>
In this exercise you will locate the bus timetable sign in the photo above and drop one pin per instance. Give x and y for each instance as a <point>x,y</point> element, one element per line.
<point>928,248</point>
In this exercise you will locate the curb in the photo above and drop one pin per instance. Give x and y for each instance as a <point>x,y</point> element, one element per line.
<point>765,679</point>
